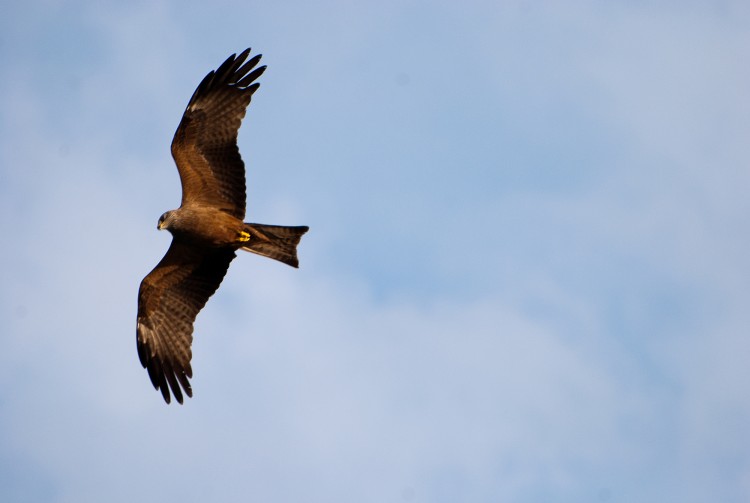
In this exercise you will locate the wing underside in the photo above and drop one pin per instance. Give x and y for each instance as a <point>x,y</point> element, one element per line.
<point>205,144</point>
<point>169,300</point>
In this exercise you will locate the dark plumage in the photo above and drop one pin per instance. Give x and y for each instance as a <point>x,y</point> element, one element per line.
<point>208,226</point>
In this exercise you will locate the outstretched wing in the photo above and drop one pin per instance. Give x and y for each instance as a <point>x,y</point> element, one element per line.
<point>205,144</point>
<point>169,299</point>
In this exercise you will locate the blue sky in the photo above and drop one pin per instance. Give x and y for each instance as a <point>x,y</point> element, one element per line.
<point>526,277</point>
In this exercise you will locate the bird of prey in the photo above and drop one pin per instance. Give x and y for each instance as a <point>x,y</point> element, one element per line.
<point>208,226</point>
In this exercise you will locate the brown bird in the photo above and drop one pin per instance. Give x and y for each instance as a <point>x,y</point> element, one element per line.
<point>208,226</point>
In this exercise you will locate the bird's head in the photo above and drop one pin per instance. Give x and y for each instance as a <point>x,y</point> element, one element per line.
<point>165,220</point>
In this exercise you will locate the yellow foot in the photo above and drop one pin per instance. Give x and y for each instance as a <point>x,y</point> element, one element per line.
<point>244,237</point>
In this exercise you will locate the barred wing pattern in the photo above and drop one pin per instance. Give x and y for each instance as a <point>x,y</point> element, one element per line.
<point>205,144</point>
<point>169,299</point>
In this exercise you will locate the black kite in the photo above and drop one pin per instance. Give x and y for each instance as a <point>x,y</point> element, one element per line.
<point>208,226</point>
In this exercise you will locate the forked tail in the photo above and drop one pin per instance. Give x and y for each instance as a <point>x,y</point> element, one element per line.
<point>275,241</point>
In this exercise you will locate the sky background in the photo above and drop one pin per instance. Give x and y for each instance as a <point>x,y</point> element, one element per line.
<point>526,277</point>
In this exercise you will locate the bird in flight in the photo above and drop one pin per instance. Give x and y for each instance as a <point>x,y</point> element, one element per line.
<point>207,229</point>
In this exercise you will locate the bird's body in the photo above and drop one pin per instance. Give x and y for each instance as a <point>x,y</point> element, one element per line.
<point>208,226</point>
<point>203,226</point>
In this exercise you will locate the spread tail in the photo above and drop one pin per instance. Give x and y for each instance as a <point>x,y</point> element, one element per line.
<point>275,241</point>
